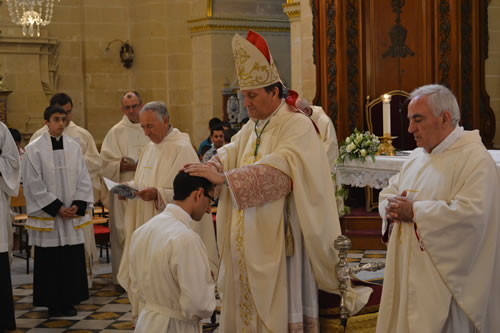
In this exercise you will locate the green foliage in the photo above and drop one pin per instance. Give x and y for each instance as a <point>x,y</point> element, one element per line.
<point>358,146</point>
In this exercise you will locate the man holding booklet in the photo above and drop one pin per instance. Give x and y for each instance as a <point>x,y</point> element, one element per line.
<point>161,160</point>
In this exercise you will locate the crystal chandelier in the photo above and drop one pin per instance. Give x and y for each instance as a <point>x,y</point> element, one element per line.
<point>29,13</point>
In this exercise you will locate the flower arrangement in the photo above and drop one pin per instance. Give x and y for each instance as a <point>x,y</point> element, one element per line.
<point>358,146</point>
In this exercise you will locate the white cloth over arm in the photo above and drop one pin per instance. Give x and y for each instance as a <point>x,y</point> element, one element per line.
<point>10,173</point>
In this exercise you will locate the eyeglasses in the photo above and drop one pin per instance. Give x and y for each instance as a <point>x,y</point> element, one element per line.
<point>131,107</point>
<point>212,200</point>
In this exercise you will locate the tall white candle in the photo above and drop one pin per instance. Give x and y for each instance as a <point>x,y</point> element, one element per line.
<point>387,114</point>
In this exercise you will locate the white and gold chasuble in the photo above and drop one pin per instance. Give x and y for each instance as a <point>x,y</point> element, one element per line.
<point>457,264</point>
<point>125,139</point>
<point>158,166</point>
<point>252,241</point>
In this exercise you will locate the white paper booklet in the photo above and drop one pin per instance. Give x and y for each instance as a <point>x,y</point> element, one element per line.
<point>120,189</point>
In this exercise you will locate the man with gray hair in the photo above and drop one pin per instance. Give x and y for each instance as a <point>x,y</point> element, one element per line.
<point>163,157</point>
<point>441,219</point>
<point>120,151</point>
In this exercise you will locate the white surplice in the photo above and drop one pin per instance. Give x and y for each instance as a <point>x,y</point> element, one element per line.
<point>10,173</point>
<point>93,162</point>
<point>257,294</point>
<point>125,139</point>
<point>449,277</point>
<point>170,274</point>
<point>55,174</point>
<point>158,166</point>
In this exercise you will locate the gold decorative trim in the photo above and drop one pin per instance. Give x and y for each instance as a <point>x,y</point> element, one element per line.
<point>224,27</point>
<point>293,14</point>
<point>240,19</point>
<point>41,218</point>
<point>209,8</point>
<point>291,4</point>
<point>83,225</point>
<point>38,229</point>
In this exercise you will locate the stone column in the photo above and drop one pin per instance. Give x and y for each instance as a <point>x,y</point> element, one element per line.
<point>303,70</point>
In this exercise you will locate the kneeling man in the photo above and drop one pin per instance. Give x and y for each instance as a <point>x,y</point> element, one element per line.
<point>168,263</point>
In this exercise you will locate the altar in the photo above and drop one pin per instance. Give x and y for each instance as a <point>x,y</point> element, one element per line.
<point>377,174</point>
<point>363,225</point>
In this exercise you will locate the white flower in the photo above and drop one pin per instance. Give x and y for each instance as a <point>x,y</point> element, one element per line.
<point>363,152</point>
<point>348,140</point>
<point>350,147</point>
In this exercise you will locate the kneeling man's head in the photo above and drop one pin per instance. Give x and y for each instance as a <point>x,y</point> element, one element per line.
<point>193,194</point>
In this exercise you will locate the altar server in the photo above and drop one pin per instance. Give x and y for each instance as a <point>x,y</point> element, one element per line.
<point>59,200</point>
<point>443,256</point>
<point>10,171</point>
<point>169,268</point>
<point>120,153</point>
<point>93,163</point>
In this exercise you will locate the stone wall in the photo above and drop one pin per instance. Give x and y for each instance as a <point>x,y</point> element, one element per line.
<point>186,69</point>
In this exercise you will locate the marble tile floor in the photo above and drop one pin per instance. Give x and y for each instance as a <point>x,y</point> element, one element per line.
<point>108,309</point>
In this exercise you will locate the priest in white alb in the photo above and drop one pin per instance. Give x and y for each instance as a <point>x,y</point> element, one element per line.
<point>169,268</point>
<point>59,201</point>
<point>277,218</point>
<point>93,162</point>
<point>328,137</point>
<point>166,154</point>
<point>120,152</point>
<point>441,215</point>
<point>10,175</point>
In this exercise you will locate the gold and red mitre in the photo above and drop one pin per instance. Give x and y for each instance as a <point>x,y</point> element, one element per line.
<point>254,64</point>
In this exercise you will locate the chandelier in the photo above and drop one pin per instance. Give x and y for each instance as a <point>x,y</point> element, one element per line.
<point>30,13</point>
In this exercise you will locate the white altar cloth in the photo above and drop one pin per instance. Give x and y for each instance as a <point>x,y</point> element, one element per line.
<point>376,174</point>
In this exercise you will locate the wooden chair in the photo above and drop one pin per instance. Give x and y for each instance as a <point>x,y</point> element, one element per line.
<point>399,119</point>
<point>17,205</point>
<point>102,234</point>
<point>399,128</point>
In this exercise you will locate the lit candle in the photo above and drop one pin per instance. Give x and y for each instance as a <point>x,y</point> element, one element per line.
<point>387,114</point>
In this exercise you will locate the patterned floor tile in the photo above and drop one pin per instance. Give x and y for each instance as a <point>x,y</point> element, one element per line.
<point>108,308</point>
<point>92,324</point>
<point>115,308</point>
<point>105,315</point>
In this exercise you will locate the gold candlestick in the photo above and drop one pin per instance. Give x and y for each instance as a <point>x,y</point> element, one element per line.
<point>386,147</point>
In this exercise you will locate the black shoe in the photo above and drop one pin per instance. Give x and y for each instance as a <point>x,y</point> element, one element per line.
<point>55,312</point>
<point>69,311</point>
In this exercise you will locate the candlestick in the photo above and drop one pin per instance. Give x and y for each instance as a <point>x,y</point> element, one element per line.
<point>387,114</point>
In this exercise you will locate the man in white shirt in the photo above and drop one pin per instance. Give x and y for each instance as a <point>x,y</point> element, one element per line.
<point>120,153</point>
<point>217,138</point>
<point>10,168</point>
<point>59,200</point>
<point>169,267</point>
<point>443,256</point>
